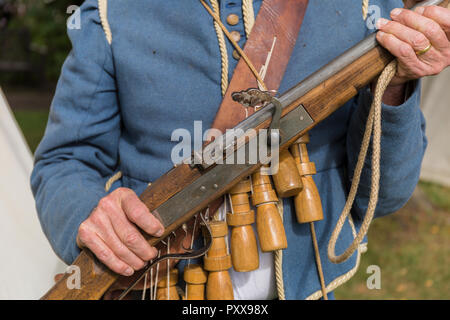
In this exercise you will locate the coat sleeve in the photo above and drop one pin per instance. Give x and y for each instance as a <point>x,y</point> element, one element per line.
<point>79,149</point>
<point>403,144</point>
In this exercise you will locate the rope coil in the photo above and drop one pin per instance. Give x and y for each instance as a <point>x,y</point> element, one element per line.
<point>373,125</point>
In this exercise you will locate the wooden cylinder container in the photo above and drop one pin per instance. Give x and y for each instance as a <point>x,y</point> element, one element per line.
<point>287,180</point>
<point>268,220</point>
<point>244,249</point>
<point>217,261</point>
<point>308,206</point>
<point>195,278</point>
<point>166,289</point>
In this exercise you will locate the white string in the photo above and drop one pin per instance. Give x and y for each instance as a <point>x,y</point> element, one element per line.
<point>156,278</point>
<point>168,268</point>
<point>151,283</point>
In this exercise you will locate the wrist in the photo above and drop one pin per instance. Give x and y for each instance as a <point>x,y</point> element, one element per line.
<point>395,95</point>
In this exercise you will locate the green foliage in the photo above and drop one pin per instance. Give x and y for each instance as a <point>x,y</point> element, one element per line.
<point>438,195</point>
<point>46,23</point>
<point>411,249</point>
<point>32,123</point>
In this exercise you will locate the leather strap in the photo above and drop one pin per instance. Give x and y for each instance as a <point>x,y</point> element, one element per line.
<point>279,21</point>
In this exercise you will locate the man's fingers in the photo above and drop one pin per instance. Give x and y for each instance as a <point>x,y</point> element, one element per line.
<point>411,36</point>
<point>109,236</point>
<point>402,50</point>
<point>58,277</point>
<point>430,28</point>
<point>138,213</point>
<point>438,14</point>
<point>111,232</point>
<point>103,252</point>
<point>133,239</point>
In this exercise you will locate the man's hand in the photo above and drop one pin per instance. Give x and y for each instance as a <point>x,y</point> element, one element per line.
<point>111,234</point>
<point>408,33</point>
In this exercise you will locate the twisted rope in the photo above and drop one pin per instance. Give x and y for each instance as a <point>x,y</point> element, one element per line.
<point>346,276</point>
<point>373,125</point>
<point>113,179</point>
<point>103,13</point>
<point>249,16</point>
<point>365,8</point>
<point>222,47</point>
<point>278,262</point>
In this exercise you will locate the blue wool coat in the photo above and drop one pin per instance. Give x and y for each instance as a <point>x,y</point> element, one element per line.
<point>117,104</point>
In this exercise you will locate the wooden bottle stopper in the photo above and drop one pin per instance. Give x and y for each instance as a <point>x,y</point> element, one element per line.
<point>195,278</point>
<point>217,261</point>
<point>308,206</point>
<point>268,220</point>
<point>287,180</point>
<point>244,250</point>
<point>166,289</point>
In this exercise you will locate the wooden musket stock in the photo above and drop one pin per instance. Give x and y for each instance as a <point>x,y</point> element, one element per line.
<point>325,92</point>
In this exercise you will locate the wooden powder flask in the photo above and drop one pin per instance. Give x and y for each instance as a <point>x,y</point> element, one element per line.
<point>195,278</point>
<point>308,206</point>
<point>244,249</point>
<point>217,261</point>
<point>269,224</point>
<point>166,288</point>
<point>287,180</point>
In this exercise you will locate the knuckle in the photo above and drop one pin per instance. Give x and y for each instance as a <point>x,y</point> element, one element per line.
<point>419,41</point>
<point>136,214</point>
<point>103,255</point>
<point>131,239</point>
<point>97,218</point>
<point>106,203</point>
<point>404,51</point>
<point>83,232</point>
<point>431,11</point>
<point>432,27</point>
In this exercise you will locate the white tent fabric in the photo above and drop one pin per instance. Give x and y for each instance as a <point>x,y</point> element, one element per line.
<point>27,264</point>
<point>436,108</point>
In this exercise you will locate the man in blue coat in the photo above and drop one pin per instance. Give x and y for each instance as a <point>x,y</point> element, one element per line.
<point>140,70</point>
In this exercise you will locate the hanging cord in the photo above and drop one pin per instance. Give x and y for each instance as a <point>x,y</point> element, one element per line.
<point>190,247</point>
<point>373,125</point>
<point>155,289</point>
<point>278,261</point>
<point>318,262</point>
<point>144,290</point>
<point>168,269</point>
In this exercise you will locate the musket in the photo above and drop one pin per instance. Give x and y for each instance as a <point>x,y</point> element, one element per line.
<point>187,189</point>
